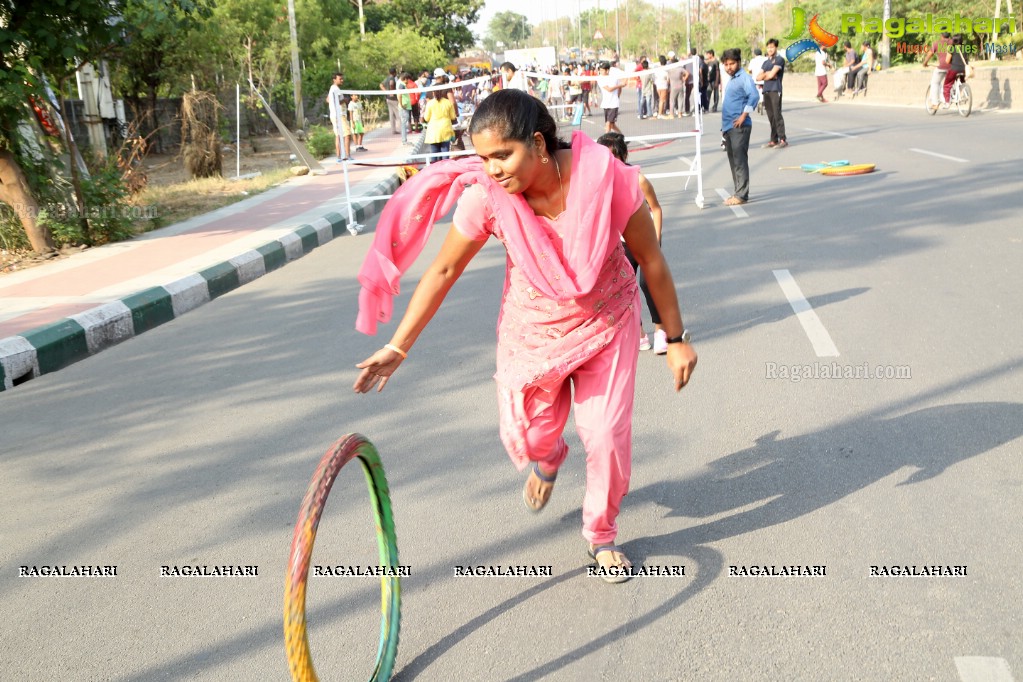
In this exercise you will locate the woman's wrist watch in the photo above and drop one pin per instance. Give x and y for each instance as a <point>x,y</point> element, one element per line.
<point>681,338</point>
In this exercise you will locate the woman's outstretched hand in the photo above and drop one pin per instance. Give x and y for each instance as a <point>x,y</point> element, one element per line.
<point>681,362</point>
<point>376,370</point>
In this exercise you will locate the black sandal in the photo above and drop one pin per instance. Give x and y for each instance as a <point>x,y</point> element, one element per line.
<point>613,574</point>
<point>536,505</point>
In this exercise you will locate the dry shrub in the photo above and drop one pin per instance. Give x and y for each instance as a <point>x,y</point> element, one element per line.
<point>199,134</point>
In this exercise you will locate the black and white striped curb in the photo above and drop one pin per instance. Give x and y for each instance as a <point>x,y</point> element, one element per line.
<point>54,346</point>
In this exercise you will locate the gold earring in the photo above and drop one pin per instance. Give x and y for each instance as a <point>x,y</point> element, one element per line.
<point>544,159</point>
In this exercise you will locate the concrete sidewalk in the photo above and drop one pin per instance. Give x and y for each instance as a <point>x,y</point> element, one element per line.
<point>56,314</point>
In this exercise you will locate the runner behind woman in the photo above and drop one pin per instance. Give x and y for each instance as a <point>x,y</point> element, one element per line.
<point>616,143</point>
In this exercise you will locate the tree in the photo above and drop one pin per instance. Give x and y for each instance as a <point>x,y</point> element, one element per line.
<point>445,20</point>
<point>38,38</point>
<point>157,50</point>
<point>368,60</point>
<point>509,28</point>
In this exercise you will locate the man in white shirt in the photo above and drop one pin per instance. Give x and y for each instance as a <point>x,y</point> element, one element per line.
<point>339,118</point>
<point>511,78</point>
<point>820,70</point>
<point>610,87</point>
<point>756,65</point>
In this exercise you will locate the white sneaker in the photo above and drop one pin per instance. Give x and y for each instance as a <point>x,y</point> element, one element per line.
<point>644,342</point>
<point>660,342</point>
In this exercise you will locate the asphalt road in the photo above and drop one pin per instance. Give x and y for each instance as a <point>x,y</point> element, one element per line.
<point>194,443</point>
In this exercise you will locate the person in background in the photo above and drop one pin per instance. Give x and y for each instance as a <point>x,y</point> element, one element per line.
<point>956,67</point>
<point>358,129</point>
<point>846,75</point>
<point>739,100</point>
<point>511,78</point>
<point>867,61</point>
<point>616,143</point>
<point>415,110</point>
<point>339,122</point>
<point>940,48</point>
<point>393,110</point>
<point>820,70</point>
<point>587,84</point>
<point>440,117</point>
<point>704,79</point>
<point>771,73</point>
<point>404,106</point>
<point>661,84</point>
<point>678,77</point>
<point>647,92</point>
<point>755,67</point>
<point>713,80</point>
<point>611,86</point>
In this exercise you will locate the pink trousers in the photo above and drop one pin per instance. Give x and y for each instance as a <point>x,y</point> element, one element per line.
<point>532,424</point>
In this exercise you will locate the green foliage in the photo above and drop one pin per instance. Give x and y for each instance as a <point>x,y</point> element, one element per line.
<point>320,141</point>
<point>107,212</point>
<point>365,63</point>
<point>509,28</point>
<point>47,38</point>
<point>446,21</point>
<point>12,234</point>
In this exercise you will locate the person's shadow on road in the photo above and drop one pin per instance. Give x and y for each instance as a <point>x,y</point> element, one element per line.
<point>791,477</point>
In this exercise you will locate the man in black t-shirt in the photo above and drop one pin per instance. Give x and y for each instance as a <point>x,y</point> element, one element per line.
<point>713,80</point>
<point>771,74</point>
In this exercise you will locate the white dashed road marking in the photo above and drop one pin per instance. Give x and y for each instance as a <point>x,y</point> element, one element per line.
<point>983,669</point>
<point>828,132</point>
<point>812,325</point>
<point>737,210</point>
<point>940,156</point>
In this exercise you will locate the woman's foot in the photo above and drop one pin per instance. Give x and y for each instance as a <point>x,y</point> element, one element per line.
<point>539,486</point>
<point>615,567</point>
<point>734,201</point>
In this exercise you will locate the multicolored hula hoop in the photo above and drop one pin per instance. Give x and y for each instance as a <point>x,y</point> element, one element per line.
<point>295,636</point>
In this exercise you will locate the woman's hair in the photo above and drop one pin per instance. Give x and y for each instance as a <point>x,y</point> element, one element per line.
<point>516,115</point>
<point>440,94</point>
<point>616,143</point>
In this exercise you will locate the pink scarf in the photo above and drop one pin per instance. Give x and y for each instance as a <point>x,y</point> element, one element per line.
<point>408,218</point>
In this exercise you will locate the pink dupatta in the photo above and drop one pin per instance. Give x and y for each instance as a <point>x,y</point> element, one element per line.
<point>408,218</point>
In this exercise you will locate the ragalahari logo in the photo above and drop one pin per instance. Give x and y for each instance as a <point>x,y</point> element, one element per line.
<point>818,36</point>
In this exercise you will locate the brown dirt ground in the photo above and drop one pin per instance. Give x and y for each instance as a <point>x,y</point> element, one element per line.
<point>176,198</point>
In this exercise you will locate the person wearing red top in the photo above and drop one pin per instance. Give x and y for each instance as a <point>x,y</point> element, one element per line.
<point>413,97</point>
<point>940,48</point>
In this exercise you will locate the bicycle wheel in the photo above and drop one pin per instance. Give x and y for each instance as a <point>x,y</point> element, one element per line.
<point>965,101</point>
<point>932,110</point>
<point>295,636</point>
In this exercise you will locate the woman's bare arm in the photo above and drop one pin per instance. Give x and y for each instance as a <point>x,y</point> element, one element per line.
<point>434,285</point>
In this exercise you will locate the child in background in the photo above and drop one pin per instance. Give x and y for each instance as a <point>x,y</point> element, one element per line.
<point>358,130</point>
<point>616,143</point>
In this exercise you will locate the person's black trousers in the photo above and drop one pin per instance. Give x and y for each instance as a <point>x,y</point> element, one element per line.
<point>772,103</point>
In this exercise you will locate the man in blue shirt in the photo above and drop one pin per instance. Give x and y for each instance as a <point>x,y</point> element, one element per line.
<point>772,72</point>
<point>739,100</point>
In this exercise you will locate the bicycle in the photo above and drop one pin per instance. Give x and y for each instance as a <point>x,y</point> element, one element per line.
<point>960,95</point>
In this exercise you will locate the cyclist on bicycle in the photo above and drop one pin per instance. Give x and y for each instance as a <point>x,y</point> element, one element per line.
<point>956,67</point>
<point>941,48</point>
